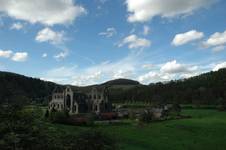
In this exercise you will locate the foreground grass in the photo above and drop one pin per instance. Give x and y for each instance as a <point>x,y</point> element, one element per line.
<point>205,130</point>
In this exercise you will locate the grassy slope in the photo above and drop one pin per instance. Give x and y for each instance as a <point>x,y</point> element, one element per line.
<point>205,130</point>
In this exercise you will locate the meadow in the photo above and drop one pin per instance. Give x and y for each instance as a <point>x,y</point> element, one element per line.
<point>205,130</point>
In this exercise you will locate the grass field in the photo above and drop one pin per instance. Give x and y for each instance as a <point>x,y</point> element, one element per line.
<point>206,130</point>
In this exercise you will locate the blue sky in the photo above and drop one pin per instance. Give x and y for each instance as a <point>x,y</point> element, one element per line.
<point>89,42</point>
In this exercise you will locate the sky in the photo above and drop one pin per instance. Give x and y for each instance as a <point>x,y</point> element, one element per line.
<point>83,42</point>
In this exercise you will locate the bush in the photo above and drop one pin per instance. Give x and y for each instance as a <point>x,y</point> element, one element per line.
<point>108,116</point>
<point>21,128</point>
<point>59,116</point>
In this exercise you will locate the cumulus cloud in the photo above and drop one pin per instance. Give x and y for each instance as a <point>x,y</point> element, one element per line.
<point>216,40</point>
<point>219,66</point>
<point>184,38</point>
<point>109,32</point>
<point>135,42</point>
<point>132,66</point>
<point>16,26</point>
<point>169,71</point>
<point>91,78</point>
<point>48,35</point>
<point>20,56</point>
<point>6,53</point>
<point>154,77</point>
<point>144,10</point>
<point>172,67</point>
<point>97,73</point>
<point>47,12</point>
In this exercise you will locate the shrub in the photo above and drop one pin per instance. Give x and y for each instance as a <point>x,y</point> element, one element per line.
<point>59,116</point>
<point>108,116</point>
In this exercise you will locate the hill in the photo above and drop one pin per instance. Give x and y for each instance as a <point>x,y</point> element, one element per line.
<point>208,88</point>
<point>14,85</point>
<point>121,82</point>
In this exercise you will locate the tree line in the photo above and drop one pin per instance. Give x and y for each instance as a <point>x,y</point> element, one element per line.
<point>208,89</point>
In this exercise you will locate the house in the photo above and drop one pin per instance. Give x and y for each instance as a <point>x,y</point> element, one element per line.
<point>95,100</point>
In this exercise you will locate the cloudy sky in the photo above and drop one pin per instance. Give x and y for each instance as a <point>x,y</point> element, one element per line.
<point>87,42</point>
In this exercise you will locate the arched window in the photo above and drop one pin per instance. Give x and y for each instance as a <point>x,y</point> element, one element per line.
<point>68,101</point>
<point>75,108</point>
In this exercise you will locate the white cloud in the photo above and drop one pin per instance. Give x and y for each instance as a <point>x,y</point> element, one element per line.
<point>6,53</point>
<point>16,26</point>
<point>146,30</point>
<point>96,73</point>
<point>20,56</point>
<point>133,67</point>
<point>144,10</point>
<point>189,75</point>
<point>154,77</point>
<point>216,40</point>
<point>61,55</point>
<point>172,67</point>
<point>91,79</point>
<point>184,38</point>
<point>135,42</point>
<point>44,55</point>
<point>47,12</point>
<point>48,35</point>
<point>109,32</point>
<point>219,66</point>
<point>169,71</point>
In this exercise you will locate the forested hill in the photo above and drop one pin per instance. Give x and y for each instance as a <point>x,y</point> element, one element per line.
<point>208,88</point>
<point>121,82</point>
<point>14,86</point>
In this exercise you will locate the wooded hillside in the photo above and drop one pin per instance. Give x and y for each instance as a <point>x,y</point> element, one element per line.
<point>208,88</point>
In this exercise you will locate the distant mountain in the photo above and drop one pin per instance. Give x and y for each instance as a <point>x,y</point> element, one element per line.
<point>121,82</point>
<point>208,88</point>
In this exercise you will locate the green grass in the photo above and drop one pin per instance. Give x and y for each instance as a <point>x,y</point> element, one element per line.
<point>205,130</point>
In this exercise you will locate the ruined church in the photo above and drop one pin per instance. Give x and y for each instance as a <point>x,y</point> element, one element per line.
<point>95,100</point>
